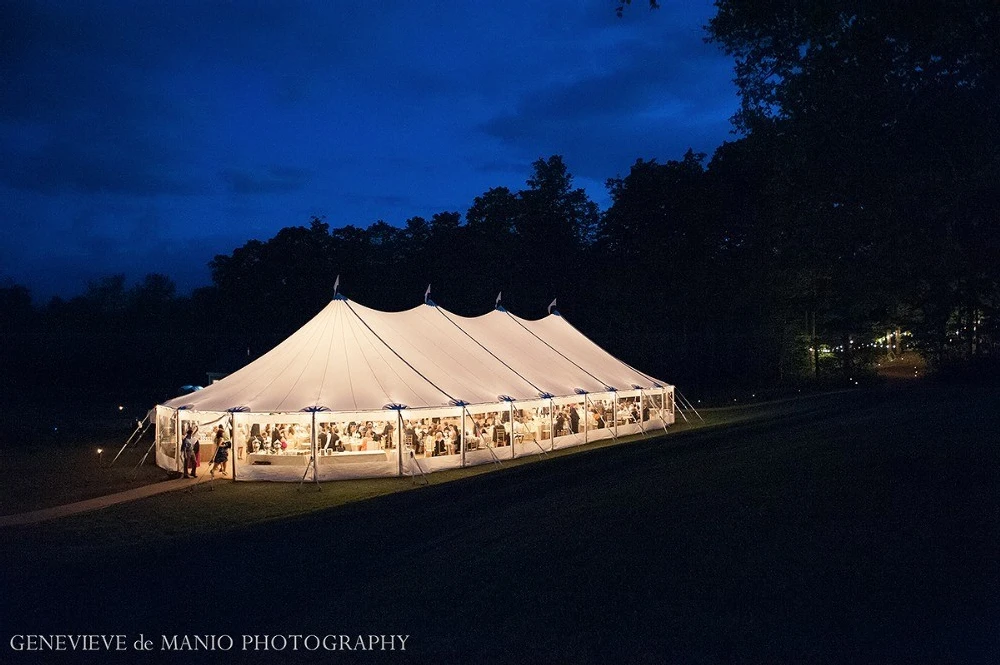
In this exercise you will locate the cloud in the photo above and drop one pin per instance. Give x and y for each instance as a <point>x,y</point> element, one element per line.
<point>649,90</point>
<point>130,128</point>
<point>276,179</point>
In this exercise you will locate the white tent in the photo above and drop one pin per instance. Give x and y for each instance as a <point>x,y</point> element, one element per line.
<point>360,392</point>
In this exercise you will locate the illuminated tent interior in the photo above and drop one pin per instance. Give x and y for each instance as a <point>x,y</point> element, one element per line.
<point>358,392</point>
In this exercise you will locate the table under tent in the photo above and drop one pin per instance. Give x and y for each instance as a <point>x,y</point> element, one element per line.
<point>358,392</point>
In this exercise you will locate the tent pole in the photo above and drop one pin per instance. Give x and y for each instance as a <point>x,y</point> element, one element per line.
<point>232,438</point>
<point>399,442</point>
<point>614,411</point>
<point>641,428</point>
<point>423,475</point>
<point>312,457</point>
<point>462,436</point>
<point>552,431</point>
<point>314,452</point>
<point>177,436</point>
<point>236,450</point>
<point>663,408</point>
<point>510,435</point>
<point>586,418</point>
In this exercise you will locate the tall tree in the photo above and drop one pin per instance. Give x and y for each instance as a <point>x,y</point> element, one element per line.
<point>887,127</point>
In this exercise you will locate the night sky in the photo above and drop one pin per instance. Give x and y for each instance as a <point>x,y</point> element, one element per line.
<point>146,137</point>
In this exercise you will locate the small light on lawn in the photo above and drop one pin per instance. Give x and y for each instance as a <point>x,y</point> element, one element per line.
<point>121,408</point>
<point>100,450</point>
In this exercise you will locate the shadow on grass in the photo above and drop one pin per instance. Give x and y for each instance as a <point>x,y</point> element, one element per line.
<point>853,527</point>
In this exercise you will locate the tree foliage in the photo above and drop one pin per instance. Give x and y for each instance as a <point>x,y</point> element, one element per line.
<point>863,196</point>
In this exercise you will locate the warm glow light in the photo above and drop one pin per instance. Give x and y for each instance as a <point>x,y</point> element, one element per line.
<point>100,450</point>
<point>121,408</point>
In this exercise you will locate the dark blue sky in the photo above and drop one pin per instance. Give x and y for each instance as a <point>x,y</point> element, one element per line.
<point>145,137</point>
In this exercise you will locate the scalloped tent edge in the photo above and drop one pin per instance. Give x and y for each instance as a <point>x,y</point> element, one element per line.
<point>350,362</point>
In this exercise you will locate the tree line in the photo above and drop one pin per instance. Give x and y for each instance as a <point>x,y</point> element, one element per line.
<point>860,197</point>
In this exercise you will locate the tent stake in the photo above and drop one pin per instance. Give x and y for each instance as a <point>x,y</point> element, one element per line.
<point>143,460</point>
<point>486,444</point>
<point>685,400</point>
<point>140,430</point>
<point>312,459</point>
<point>423,475</point>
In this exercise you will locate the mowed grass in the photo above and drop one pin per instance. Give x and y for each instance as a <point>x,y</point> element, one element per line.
<point>43,476</point>
<point>855,527</point>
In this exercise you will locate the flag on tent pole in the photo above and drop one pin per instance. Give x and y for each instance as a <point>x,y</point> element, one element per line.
<point>552,305</point>
<point>498,298</point>
<point>336,285</point>
<point>427,293</point>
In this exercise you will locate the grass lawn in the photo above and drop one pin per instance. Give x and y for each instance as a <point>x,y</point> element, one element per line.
<point>862,526</point>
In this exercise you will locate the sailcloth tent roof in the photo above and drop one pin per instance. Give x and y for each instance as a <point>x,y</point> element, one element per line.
<point>352,358</point>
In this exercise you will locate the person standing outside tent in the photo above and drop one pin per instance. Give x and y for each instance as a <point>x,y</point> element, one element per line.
<point>220,436</point>
<point>196,447</point>
<point>188,445</point>
<point>221,459</point>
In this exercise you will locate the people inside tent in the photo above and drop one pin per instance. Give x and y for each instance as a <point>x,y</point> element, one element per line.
<point>430,437</point>
<point>473,434</point>
<point>597,418</point>
<point>411,439</point>
<point>559,422</point>
<point>519,429</point>
<point>385,437</point>
<point>500,435</point>
<point>439,444</point>
<point>336,443</point>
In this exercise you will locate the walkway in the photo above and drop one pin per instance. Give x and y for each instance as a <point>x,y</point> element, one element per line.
<point>35,516</point>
